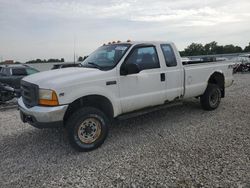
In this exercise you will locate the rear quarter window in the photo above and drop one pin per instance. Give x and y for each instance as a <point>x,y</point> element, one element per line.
<point>169,55</point>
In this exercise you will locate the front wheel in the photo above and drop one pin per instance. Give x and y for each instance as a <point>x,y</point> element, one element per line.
<point>210,100</point>
<point>87,129</point>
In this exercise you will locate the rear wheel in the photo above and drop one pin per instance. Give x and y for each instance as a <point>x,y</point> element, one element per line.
<point>210,100</point>
<point>87,129</point>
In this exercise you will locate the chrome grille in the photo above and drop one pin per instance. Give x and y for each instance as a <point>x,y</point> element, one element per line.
<point>29,93</point>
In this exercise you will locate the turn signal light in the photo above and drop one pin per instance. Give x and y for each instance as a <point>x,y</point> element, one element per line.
<point>50,102</point>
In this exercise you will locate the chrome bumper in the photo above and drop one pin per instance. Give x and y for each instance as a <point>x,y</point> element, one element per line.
<point>40,116</point>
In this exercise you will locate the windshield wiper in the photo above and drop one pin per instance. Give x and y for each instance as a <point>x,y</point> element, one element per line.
<point>95,65</point>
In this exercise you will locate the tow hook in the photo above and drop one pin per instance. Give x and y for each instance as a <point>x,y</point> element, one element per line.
<point>28,119</point>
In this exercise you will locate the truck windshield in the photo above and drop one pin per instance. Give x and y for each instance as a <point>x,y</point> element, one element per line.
<point>106,57</point>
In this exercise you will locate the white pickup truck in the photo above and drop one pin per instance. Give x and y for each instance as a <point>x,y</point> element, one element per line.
<point>115,80</point>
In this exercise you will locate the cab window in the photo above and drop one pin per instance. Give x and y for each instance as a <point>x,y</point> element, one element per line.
<point>145,57</point>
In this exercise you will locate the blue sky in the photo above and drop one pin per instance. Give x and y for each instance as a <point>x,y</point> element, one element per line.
<point>31,29</point>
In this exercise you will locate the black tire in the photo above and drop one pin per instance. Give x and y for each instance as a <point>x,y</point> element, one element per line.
<point>210,100</point>
<point>79,122</point>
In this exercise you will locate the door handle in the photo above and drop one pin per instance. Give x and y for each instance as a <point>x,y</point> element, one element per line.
<point>163,77</point>
<point>110,83</point>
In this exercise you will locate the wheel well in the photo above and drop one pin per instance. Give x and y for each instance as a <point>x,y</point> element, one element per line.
<point>97,101</point>
<point>218,79</point>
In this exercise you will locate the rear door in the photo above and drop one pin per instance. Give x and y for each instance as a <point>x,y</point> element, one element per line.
<point>173,71</point>
<point>146,88</point>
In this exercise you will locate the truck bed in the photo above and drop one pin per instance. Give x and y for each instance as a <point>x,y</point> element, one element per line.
<point>196,76</point>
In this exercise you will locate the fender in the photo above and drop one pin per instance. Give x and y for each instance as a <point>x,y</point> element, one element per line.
<point>217,77</point>
<point>79,92</point>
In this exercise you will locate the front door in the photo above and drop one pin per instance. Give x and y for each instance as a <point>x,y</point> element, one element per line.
<point>146,88</point>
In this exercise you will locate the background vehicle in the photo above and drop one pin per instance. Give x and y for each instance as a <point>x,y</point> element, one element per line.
<point>116,81</point>
<point>7,93</point>
<point>10,77</point>
<point>243,64</point>
<point>64,65</point>
<point>242,67</point>
<point>12,74</point>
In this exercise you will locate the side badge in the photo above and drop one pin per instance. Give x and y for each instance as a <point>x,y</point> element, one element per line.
<point>61,94</point>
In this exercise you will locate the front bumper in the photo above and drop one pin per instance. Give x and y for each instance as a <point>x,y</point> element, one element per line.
<point>41,116</point>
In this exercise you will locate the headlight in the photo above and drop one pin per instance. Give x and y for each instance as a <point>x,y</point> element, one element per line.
<point>48,97</point>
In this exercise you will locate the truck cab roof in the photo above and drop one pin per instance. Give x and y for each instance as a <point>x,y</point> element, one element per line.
<point>142,42</point>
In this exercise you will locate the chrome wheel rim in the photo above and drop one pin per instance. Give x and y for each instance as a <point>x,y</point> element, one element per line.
<point>89,130</point>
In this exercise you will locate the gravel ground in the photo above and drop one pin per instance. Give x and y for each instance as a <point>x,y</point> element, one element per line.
<point>182,146</point>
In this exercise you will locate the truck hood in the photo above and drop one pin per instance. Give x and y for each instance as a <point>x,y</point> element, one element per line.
<point>60,77</point>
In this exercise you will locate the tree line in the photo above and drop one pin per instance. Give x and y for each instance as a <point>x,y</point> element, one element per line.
<point>80,58</point>
<point>45,61</point>
<point>212,48</point>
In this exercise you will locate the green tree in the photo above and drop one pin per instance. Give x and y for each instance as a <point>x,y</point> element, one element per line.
<point>194,49</point>
<point>232,49</point>
<point>238,49</point>
<point>183,53</point>
<point>54,60</point>
<point>38,61</point>
<point>219,50</point>
<point>211,48</point>
<point>247,48</point>
<point>80,58</point>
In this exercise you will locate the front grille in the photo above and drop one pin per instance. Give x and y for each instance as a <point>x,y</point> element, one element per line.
<point>29,93</point>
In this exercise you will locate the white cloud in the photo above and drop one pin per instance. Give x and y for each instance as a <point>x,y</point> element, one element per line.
<point>186,12</point>
<point>143,11</point>
<point>43,23</point>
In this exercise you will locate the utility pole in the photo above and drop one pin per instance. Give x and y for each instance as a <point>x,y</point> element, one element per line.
<point>74,49</point>
<point>74,57</point>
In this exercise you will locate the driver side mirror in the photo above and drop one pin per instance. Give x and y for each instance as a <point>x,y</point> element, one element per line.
<point>129,68</point>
